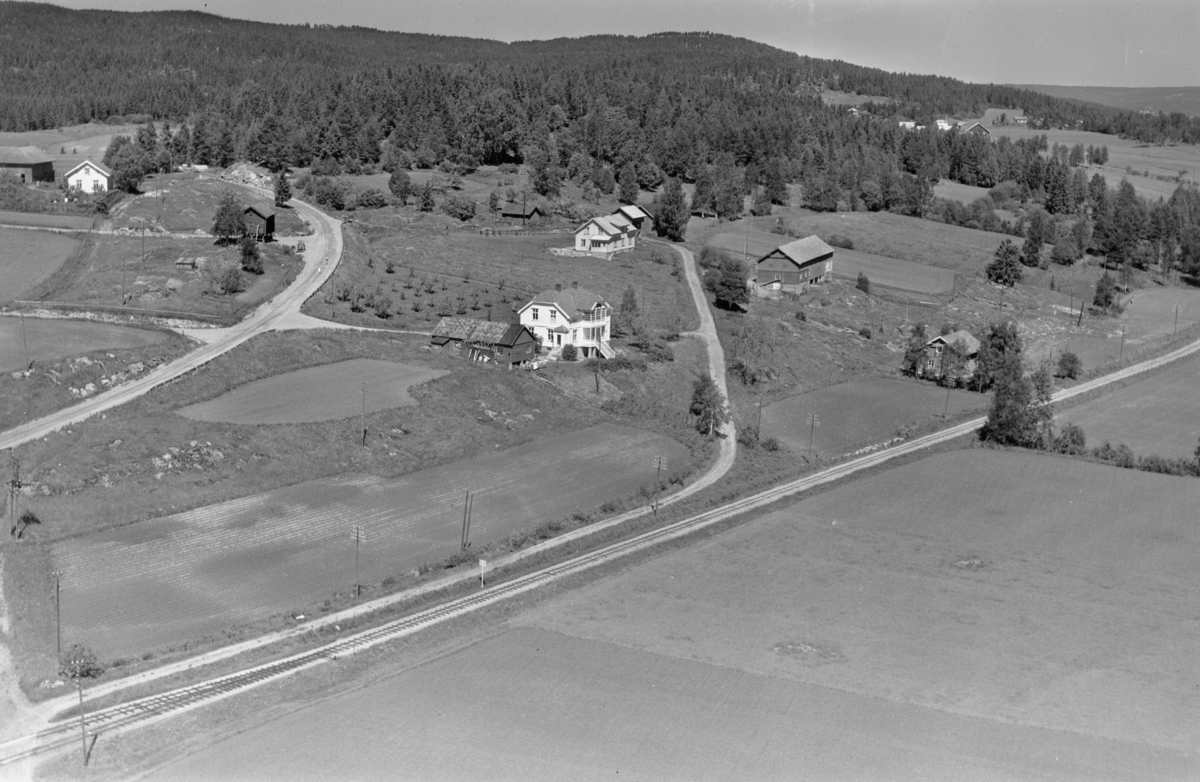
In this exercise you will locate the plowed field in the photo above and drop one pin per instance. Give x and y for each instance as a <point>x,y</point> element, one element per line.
<point>325,393</point>
<point>166,580</point>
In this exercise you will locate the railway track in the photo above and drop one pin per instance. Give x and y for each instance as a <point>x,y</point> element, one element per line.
<point>144,710</point>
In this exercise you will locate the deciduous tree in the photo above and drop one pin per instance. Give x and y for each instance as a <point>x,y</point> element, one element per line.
<point>1005,268</point>
<point>227,222</point>
<point>673,212</point>
<point>707,405</point>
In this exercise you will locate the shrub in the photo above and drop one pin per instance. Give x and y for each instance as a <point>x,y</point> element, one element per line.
<point>616,364</point>
<point>1071,440</point>
<point>837,240</point>
<point>371,198</point>
<point>657,350</point>
<point>459,207</point>
<point>748,436</point>
<point>80,663</point>
<point>231,280</point>
<point>801,316</point>
<point>863,283</point>
<point>770,444</point>
<point>1069,365</point>
<point>569,352</point>
<point>865,332</point>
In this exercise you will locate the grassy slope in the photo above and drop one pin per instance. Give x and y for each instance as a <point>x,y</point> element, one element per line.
<point>27,257</point>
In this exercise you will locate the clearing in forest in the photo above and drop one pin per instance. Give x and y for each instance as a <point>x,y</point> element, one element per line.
<point>324,393</point>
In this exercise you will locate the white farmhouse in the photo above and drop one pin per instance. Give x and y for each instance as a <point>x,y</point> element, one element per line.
<point>89,177</point>
<point>574,316</point>
<point>606,235</point>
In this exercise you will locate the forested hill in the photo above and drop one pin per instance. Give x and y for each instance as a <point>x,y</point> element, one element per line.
<point>292,94</point>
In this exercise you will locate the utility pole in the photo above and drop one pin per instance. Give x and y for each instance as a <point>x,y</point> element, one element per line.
<point>14,494</point>
<point>758,426</point>
<point>1121,355</point>
<point>466,523</point>
<point>359,535</point>
<point>58,613</point>
<point>1173,332</point>
<point>1079,322</point>
<point>657,484</point>
<point>363,415</point>
<point>28,364</point>
<point>946,410</point>
<point>813,422</point>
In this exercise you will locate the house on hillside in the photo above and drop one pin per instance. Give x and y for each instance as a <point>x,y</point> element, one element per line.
<point>946,124</point>
<point>522,213</point>
<point>793,267</point>
<point>606,235</point>
<point>484,340</point>
<point>27,164</point>
<point>641,218</point>
<point>950,356</point>
<point>908,124</point>
<point>977,129</point>
<point>259,221</point>
<point>574,316</point>
<point>89,177</point>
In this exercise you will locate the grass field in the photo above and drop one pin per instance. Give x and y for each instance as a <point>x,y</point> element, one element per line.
<point>990,627</point>
<point>324,393</point>
<point>1158,414</point>
<point>186,202</point>
<point>39,220</point>
<point>47,341</point>
<point>167,580</point>
<point>860,413</point>
<point>457,271</point>
<point>146,271</point>
<point>959,192</point>
<point>27,257</point>
<point>892,272</point>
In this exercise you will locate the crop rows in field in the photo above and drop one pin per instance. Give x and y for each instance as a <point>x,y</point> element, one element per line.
<point>892,272</point>
<point>859,413</point>
<point>323,393</point>
<point>166,580</point>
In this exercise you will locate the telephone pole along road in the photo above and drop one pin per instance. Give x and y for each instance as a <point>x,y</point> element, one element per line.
<point>321,256</point>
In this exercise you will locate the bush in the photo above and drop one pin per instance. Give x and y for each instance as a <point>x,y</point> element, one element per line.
<point>1069,365</point>
<point>616,364</point>
<point>865,332</point>
<point>837,240</point>
<point>748,436</point>
<point>231,280</point>
<point>802,316</point>
<point>459,207</point>
<point>80,663</point>
<point>770,444</point>
<point>1071,440</point>
<point>569,352</point>
<point>658,350</point>
<point>372,198</point>
<point>863,283</point>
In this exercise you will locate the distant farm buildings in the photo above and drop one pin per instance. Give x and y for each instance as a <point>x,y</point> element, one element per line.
<point>485,340</point>
<point>521,212</point>
<point>793,267</point>
<point>27,164</point>
<point>89,177</point>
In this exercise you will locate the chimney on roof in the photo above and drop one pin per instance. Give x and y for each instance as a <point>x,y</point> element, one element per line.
<point>558,287</point>
<point>575,284</point>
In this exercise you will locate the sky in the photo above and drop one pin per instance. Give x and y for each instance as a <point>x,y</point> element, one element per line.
<point>1097,43</point>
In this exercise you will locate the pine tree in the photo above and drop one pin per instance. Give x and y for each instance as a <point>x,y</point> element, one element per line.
<point>283,189</point>
<point>673,212</point>
<point>1005,268</point>
<point>629,184</point>
<point>427,203</point>
<point>227,222</point>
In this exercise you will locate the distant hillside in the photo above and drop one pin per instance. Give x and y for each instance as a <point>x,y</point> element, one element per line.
<point>1185,100</point>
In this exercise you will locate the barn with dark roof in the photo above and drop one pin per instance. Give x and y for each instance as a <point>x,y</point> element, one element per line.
<point>794,266</point>
<point>27,164</point>
<point>485,340</point>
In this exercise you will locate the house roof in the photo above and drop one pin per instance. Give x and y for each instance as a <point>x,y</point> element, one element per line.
<point>23,156</point>
<point>613,225</point>
<point>980,125</point>
<point>471,330</point>
<point>962,335</point>
<point>102,169</point>
<point>515,210</point>
<point>573,302</point>
<point>802,251</point>
<point>264,212</point>
<point>634,212</point>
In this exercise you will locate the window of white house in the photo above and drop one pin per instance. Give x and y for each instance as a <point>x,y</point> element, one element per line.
<point>553,315</point>
<point>535,317</point>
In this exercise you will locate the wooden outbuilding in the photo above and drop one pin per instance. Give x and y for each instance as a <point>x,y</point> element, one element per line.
<point>28,164</point>
<point>485,340</point>
<point>259,222</point>
<point>794,266</point>
<point>951,358</point>
<point>518,212</point>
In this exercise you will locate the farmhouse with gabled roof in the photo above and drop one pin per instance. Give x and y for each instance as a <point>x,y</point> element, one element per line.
<point>28,164</point>
<point>89,177</point>
<point>606,235</point>
<point>574,316</point>
<point>794,266</point>
<point>933,365</point>
<point>485,340</point>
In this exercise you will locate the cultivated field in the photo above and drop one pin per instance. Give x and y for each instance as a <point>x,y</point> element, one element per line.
<point>439,271</point>
<point>860,413</point>
<point>70,146</point>
<point>988,626</point>
<point>168,580</point>
<point>27,257</point>
<point>892,272</point>
<point>324,393</point>
<point>1158,414</point>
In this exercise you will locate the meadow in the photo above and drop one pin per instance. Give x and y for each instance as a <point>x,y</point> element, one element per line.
<point>861,413</point>
<point>43,220</point>
<point>174,579</point>
<point>187,202</point>
<point>27,257</point>
<point>956,191</point>
<point>323,393</point>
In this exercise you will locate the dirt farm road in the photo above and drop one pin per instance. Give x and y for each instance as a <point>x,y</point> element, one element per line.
<point>323,250</point>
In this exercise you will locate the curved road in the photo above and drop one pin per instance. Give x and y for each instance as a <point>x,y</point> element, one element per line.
<point>322,251</point>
